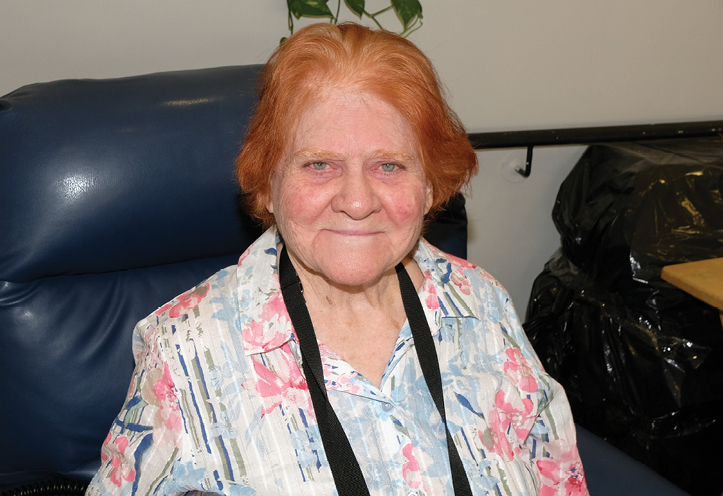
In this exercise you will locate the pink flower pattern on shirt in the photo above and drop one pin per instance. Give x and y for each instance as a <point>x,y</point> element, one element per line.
<point>410,469</point>
<point>114,450</point>
<point>284,384</point>
<point>186,301</point>
<point>273,309</point>
<point>256,337</point>
<point>507,419</point>
<point>519,370</point>
<point>519,417</point>
<point>432,300</point>
<point>166,397</point>
<point>562,472</point>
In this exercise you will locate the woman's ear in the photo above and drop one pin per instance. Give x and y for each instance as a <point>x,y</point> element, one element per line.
<point>428,197</point>
<point>268,197</point>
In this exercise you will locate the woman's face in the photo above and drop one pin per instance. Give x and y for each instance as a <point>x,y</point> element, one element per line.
<point>350,195</point>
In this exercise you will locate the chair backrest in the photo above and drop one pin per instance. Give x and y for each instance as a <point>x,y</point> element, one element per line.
<point>115,196</point>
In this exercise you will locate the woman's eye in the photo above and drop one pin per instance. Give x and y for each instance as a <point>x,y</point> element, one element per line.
<point>319,165</point>
<point>389,167</point>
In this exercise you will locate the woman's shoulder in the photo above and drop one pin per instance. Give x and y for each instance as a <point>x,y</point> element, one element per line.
<point>462,290</point>
<point>220,284</point>
<point>187,310</point>
<point>217,297</point>
<point>465,280</point>
<point>448,263</point>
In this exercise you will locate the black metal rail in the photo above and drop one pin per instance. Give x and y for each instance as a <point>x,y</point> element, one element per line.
<point>587,135</point>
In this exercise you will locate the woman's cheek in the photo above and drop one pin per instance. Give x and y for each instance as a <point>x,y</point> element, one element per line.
<point>409,207</point>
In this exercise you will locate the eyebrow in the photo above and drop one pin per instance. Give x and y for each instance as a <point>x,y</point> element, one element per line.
<point>316,153</point>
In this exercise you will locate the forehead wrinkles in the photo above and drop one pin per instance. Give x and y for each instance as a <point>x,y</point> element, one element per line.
<point>322,113</point>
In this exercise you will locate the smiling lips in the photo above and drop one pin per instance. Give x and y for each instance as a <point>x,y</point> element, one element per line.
<point>353,232</point>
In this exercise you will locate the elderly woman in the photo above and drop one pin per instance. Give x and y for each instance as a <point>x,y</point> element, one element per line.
<point>343,353</point>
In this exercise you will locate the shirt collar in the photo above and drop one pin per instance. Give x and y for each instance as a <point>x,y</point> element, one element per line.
<point>447,288</point>
<point>265,323</point>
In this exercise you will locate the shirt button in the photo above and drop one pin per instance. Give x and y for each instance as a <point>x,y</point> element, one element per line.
<point>387,407</point>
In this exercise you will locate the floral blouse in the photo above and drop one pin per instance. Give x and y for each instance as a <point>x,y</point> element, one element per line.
<point>218,402</point>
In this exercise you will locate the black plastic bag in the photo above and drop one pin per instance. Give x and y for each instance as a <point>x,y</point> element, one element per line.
<point>641,361</point>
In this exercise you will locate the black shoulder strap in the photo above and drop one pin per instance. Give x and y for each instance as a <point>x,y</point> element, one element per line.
<point>427,355</point>
<point>344,466</point>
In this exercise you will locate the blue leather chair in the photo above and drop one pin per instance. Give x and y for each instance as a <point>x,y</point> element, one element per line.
<point>116,196</point>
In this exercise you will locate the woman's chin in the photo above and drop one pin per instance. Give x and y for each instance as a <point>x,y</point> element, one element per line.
<point>354,272</point>
<point>353,262</point>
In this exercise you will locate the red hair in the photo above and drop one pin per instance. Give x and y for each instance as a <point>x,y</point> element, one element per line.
<point>355,58</point>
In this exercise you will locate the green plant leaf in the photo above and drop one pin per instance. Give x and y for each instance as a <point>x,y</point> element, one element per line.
<point>356,6</point>
<point>314,8</point>
<point>407,10</point>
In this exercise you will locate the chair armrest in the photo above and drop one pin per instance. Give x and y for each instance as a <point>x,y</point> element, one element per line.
<point>611,472</point>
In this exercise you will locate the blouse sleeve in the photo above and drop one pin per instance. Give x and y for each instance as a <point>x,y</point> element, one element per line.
<point>144,442</point>
<point>552,439</point>
<point>556,459</point>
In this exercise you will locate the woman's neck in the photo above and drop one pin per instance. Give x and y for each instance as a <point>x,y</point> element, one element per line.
<point>360,324</point>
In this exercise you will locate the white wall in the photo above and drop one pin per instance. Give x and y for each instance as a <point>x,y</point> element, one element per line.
<point>508,64</point>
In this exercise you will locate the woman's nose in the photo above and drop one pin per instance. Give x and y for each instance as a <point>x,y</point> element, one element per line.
<point>357,196</point>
